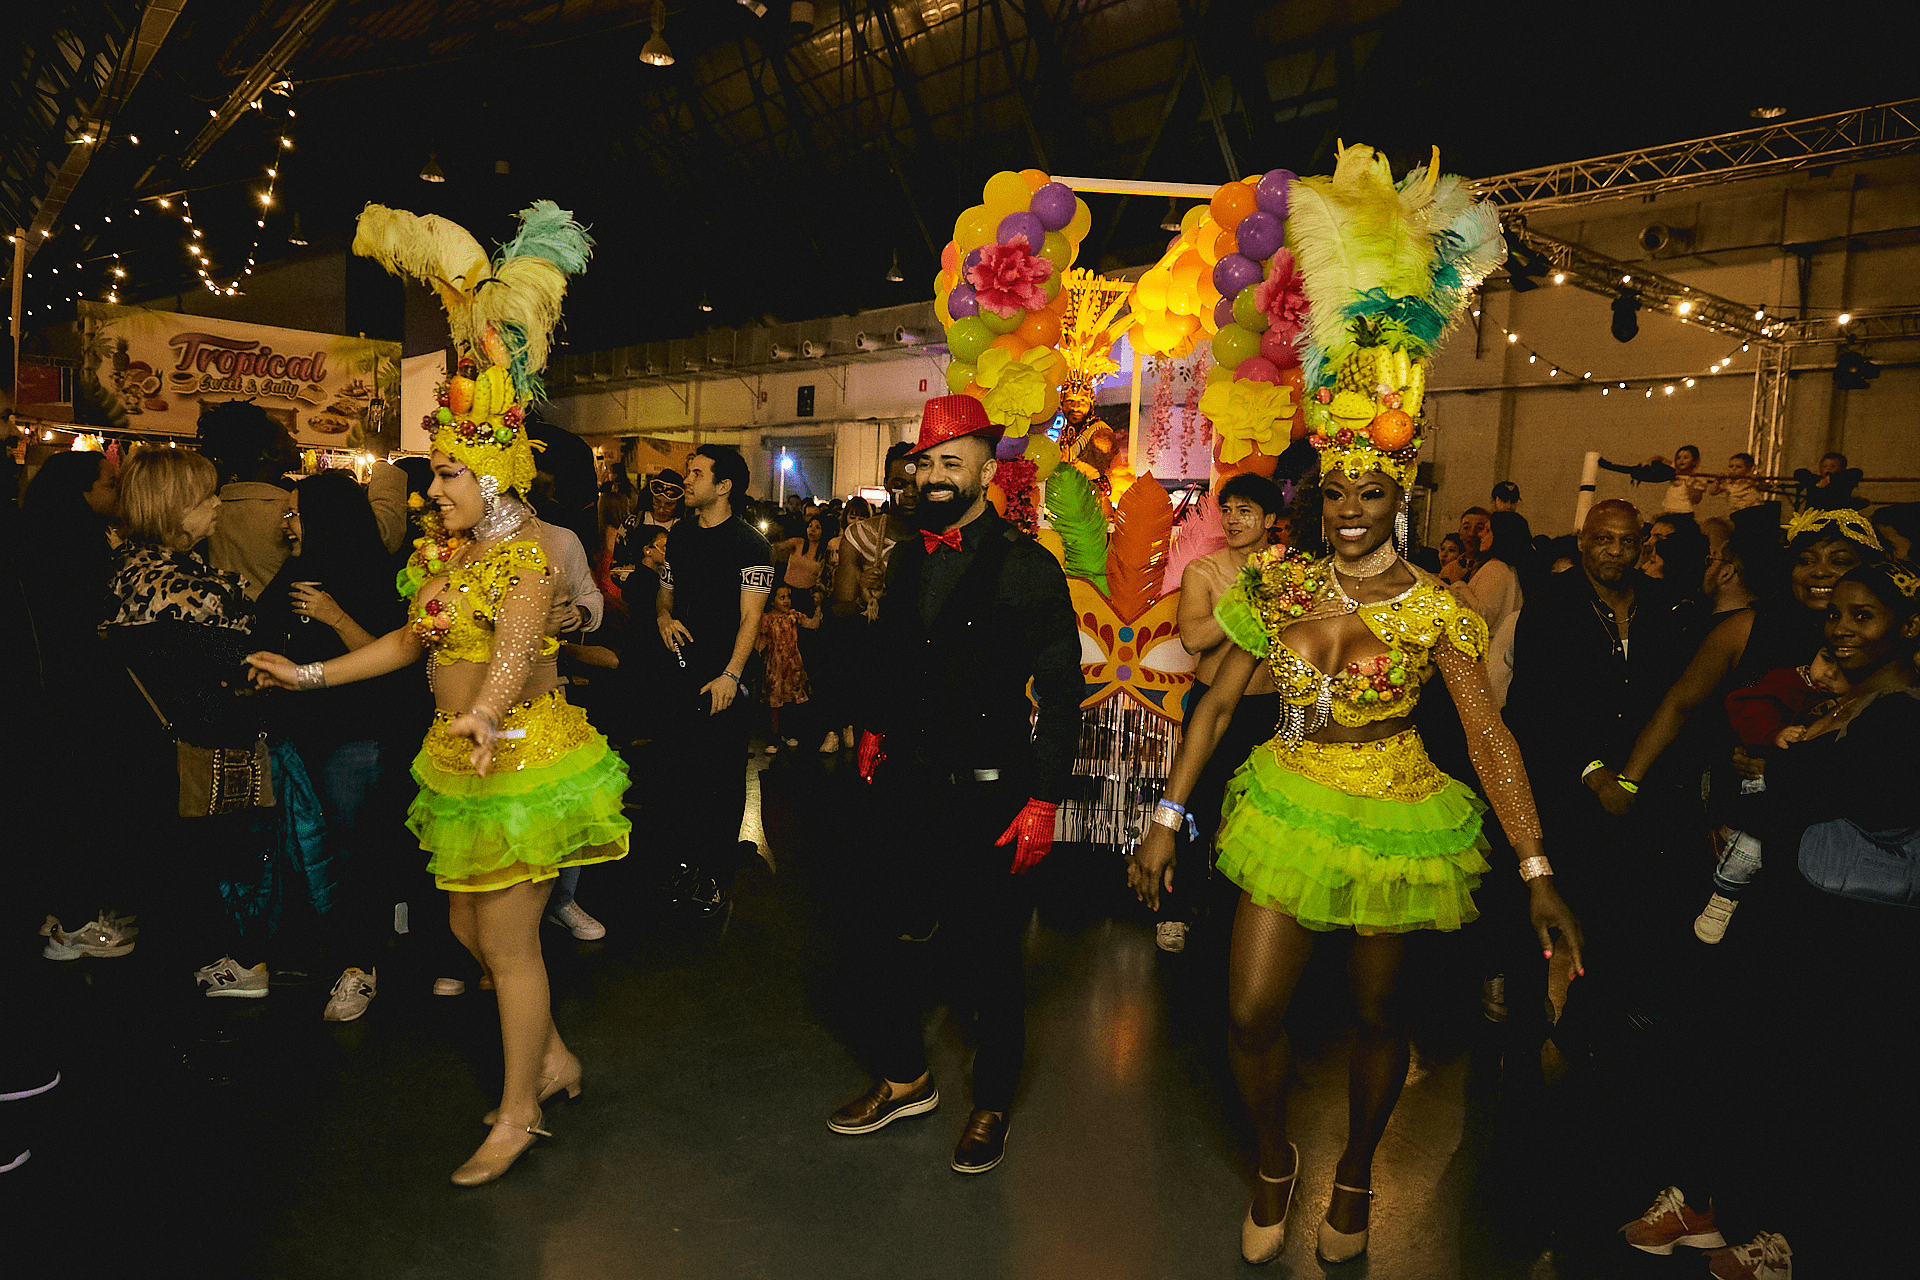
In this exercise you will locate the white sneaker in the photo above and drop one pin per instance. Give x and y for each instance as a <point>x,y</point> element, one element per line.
<point>106,937</point>
<point>1765,1257</point>
<point>449,987</point>
<point>226,978</point>
<point>1170,935</point>
<point>1711,925</point>
<point>351,996</point>
<point>578,922</point>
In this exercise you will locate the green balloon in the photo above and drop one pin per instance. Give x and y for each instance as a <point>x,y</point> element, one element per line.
<point>1000,324</point>
<point>1248,316</point>
<point>959,374</point>
<point>1050,287</point>
<point>967,338</point>
<point>1233,344</point>
<point>1058,250</point>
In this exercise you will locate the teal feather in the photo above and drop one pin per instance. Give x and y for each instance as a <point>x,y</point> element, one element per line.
<point>548,231</point>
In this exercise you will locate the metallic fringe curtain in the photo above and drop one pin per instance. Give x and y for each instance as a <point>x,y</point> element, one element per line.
<point>1121,768</point>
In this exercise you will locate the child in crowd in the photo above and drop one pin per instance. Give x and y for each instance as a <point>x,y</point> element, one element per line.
<point>1774,712</point>
<point>1738,485</point>
<point>779,643</point>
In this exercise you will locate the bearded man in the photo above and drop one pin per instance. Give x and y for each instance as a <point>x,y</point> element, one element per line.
<point>975,609</point>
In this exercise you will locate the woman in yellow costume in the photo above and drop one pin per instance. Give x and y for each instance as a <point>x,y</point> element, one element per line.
<point>1341,821</point>
<point>515,785</point>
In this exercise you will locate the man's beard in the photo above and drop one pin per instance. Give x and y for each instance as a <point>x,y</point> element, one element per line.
<point>945,513</point>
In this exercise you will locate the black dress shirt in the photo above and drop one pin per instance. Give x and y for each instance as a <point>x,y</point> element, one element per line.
<point>960,636</point>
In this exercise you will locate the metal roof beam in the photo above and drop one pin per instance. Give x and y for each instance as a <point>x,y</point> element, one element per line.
<point>1598,273</point>
<point>1861,134</point>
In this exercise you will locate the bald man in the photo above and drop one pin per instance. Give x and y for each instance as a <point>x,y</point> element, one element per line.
<point>1595,650</point>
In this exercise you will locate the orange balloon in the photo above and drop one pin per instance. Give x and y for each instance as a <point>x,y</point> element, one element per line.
<point>1209,291</point>
<point>1039,329</point>
<point>1011,343</point>
<point>1225,243</point>
<point>975,390</point>
<point>1232,202</point>
<point>998,497</point>
<point>1037,178</point>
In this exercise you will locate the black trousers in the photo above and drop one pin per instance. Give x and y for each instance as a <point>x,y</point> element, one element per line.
<point>949,914</point>
<point>1255,718</point>
<point>702,788</point>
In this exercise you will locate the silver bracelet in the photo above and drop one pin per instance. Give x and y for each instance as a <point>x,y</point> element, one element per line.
<point>1534,868</point>
<point>1170,818</point>
<point>311,675</point>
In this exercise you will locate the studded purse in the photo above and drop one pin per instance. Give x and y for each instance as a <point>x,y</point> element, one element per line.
<point>216,780</point>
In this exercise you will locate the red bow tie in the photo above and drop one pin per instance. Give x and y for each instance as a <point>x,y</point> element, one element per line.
<point>950,538</point>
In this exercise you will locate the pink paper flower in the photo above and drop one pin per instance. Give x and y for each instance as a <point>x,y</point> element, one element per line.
<point>1283,295</point>
<point>1008,277</point>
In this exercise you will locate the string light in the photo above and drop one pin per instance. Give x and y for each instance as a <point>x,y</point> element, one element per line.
<point>1554,369</point>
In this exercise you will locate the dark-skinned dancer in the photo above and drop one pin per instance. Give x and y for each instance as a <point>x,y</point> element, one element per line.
<point>1341,821</point>
<point>975,609</point>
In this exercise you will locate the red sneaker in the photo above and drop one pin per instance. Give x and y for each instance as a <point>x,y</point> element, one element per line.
<point>1766,1258</point>
<point>1668,1222</point>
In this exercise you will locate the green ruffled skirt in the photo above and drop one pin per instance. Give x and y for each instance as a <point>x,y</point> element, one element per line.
<point>553,799</point>
<point>1333,859</point>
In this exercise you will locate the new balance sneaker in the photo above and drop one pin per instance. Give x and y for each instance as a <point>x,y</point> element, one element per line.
<point>1711,924</point>
<point>1766,1257</point>
<point>1669,1222</point>
<point>226,978</point>
<point>1170,935</point>
<point>577,922</point>
<point>108,936</point>
<point>351,996</point>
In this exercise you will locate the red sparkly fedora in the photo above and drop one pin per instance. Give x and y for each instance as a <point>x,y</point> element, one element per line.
<point>950,417</point>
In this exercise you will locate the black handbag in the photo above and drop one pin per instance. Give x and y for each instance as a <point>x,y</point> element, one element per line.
<point>216,780</point>
<point>1841,858</point>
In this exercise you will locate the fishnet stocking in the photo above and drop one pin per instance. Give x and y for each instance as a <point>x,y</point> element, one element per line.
<point>1270,951</point>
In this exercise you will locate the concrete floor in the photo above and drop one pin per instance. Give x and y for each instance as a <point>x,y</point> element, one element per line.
<point>238,1138</point>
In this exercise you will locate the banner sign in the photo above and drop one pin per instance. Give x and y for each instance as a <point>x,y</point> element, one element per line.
<point>143,370</point>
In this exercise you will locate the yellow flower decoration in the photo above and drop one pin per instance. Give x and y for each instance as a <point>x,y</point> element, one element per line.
<point>1016,389</point>
<point>1246,416</point>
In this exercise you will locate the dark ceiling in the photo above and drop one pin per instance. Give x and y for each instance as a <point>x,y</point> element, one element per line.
<point>776,171</point>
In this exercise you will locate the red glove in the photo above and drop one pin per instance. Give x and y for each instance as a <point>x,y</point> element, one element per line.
<point>1033,826</point>
<point>869,756</point>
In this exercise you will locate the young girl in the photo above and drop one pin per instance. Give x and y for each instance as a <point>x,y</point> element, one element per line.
<point>779,643</point>
<point>1771,714</point>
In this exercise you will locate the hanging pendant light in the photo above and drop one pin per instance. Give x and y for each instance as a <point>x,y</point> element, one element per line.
<point>893,271</point>
<point>655,52</point>
<point>431,171</point>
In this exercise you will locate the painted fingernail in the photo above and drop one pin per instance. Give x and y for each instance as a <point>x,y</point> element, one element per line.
<point>1548,954</point>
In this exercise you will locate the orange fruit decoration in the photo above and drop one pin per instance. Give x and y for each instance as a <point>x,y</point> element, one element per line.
<point>1390,430</point>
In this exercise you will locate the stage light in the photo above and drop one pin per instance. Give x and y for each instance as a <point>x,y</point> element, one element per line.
<point>1767,113</point>
<point>430,172</point>
<point>1684,308</point>
<point>1626,318</point>
<point>1170,220</point>
<point>1525,265</point>
<point>655,52</point>
<point>1853,371</point>
<point>1845,319</point>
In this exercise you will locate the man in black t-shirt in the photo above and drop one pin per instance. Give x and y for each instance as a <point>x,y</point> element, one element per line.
<point>713,587</point>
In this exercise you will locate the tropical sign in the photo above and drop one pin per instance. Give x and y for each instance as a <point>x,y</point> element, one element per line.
<point>145,370</point>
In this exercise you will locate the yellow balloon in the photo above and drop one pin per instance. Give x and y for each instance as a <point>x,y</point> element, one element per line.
<point>1007,192</point>
<point>1081,222</point>
<point>1191,219</point>
<point>1151,293</point>
<point>1208,324</point>
<point>1045,455</point>
<point>974,228</point>
<point>1048,407</point>
<point>1205,242</point>
<point>940,310</point>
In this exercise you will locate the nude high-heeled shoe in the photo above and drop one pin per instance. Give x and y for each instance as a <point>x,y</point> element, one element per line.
<point>566,1076</point>
<point>1260,1244</point>
<point>506,1144</point>
<point>1341,1246</point>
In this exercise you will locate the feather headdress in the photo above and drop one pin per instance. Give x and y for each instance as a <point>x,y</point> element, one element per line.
<point>1389,268</point>
<point>501,313</point>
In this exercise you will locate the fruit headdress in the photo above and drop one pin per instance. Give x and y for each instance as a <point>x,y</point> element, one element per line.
<point>1388,269</point>
<point>502,314</point>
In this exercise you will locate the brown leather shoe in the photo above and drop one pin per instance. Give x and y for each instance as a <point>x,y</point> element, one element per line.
<point>982,1143</point>
<point>877,1107</point>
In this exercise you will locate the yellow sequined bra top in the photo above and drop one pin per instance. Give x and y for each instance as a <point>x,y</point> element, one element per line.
<point>1279,589</point>
<point>458,622</point>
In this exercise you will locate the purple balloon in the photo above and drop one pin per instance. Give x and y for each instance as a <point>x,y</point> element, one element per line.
<point>1257,369</point>
<point>1053,204</point>
<point>1011,447</point>
<point>1022,224</point>
<point>968,263</point>
<point>1235,272</point>
<point>1223,313</point>
<point>1270,193</point>
<point>1260,235</point>
<point>962,302</point>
